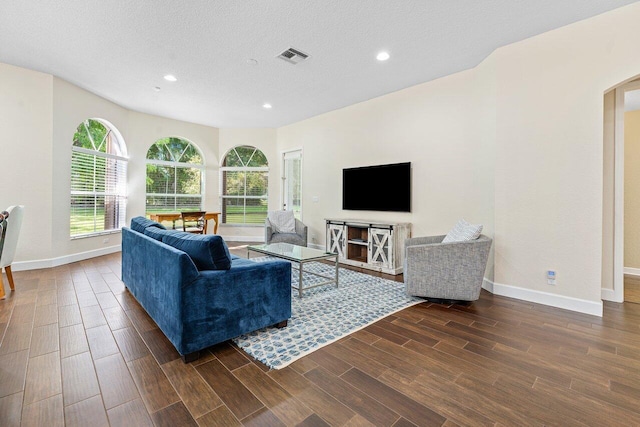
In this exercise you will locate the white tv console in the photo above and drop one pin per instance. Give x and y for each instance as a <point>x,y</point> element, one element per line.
<point>373,245</point>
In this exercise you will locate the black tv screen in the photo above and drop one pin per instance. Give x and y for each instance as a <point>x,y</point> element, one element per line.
<point>377,188</point>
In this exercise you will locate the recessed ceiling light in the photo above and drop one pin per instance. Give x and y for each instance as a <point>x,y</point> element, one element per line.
<point>157,88</point>
<point>252,61</point>
<point>170,78</point>
<point>267,106</point>
<point>382,56</point>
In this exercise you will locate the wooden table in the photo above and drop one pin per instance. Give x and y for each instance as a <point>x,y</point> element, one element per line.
<point>174,216</point>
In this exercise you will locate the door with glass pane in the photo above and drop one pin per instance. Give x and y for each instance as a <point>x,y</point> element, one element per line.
<point>292,182</point>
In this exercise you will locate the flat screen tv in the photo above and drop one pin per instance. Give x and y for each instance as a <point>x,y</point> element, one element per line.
<point>377,188</point>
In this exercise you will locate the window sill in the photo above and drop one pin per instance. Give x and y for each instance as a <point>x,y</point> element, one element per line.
<point>96,234</point>
<point>241,225</point>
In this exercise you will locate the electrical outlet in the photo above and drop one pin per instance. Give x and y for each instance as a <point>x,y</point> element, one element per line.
<point>105,240</point>
<point>551,277</point>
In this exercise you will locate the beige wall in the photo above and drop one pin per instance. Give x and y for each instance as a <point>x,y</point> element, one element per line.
<point>517,141</point>
<point>632,189</point>
<point>549,166</point>
<point>26,153</point>
<point>444,128</point>
<point>38,115</point>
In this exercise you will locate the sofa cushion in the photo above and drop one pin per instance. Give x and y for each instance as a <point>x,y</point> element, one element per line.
<point>157,233</point>
<point>282,221</point>
<point>463,232</point>
<point>208,251</point>
<point>139,223</point>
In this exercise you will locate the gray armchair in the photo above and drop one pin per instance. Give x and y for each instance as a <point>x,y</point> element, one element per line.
<point>298,238</point>
<point>445,271</point>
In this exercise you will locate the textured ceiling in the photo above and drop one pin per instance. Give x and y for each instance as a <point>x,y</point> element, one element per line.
<point>121,49</point>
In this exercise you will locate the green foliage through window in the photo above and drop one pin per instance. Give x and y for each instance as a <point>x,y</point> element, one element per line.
<point>98,179</point>
<point>245,183</point>
<point>174,176</point>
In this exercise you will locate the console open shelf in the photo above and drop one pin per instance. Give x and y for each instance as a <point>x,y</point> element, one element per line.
<point>372,245</point>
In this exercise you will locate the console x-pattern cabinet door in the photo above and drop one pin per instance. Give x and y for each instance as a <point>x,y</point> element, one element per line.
<point>380,250</point>
<point>336,239</point>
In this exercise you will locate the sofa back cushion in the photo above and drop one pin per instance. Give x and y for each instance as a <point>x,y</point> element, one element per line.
<point>157,233</point>
<point>139,223</point>
<point>208,251</point>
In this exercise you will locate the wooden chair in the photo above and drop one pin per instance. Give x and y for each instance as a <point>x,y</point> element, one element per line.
<point>194,222</point>
<point>8,243</point>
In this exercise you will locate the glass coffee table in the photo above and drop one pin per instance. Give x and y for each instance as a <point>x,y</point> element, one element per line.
<point>300,255</point>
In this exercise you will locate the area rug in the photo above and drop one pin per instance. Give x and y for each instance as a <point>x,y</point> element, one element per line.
<point>325,314</point>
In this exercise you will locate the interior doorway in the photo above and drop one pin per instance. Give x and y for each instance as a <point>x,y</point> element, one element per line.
<point>292,182</point>
<point>626,200</point>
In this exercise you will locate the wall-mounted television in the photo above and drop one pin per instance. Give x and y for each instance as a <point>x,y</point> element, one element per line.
<point>377,188</point>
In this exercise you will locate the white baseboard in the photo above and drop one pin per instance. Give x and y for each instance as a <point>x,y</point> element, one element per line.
<point>554,300</point>
<point>609,295</point>
<point>487,285</point>
<point>315,246</point>
<point>67,259</point>
<point>631,271</point>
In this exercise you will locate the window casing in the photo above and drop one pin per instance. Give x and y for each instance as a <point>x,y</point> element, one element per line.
<point>175,176</point>
<point>244,181</point>
<point>98,179</point>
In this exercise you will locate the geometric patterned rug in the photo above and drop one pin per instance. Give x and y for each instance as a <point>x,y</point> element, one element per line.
<point>325,314</point>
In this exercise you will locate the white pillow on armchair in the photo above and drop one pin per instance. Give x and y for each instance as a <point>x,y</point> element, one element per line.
<point>282,221</point>
<point>463,232</point>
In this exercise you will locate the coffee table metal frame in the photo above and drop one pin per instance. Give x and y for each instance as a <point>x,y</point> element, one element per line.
<point>295,254</point>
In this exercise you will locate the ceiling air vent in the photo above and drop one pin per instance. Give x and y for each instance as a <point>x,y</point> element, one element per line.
<point>294,56</point>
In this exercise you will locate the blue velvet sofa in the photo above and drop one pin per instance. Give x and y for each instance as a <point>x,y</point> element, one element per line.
<point>197,293</point>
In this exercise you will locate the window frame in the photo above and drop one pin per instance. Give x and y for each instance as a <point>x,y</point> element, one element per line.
<point>177,164</point>
<point>120,194</point>
<point>244,197</point>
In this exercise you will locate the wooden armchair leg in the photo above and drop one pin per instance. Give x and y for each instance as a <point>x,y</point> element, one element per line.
<point>10,277</point>
<point>2,295</point>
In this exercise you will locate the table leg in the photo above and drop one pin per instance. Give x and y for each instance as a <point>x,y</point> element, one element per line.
<point>300,280</point>
<point>215,227</point>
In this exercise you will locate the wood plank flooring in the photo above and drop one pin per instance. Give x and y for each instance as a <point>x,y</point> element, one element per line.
<point>76,349</point>
<point>632,289</point>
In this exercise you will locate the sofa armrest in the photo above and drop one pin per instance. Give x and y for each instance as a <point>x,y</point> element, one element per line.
<point>222,304</point>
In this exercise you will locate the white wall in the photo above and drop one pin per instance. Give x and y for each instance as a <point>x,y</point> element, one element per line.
<point>26,152</point>
<point>265,140</point>
<point>441,127</point>
<point>517,141</point>
<point>38,117</point>
<point>549,145</point>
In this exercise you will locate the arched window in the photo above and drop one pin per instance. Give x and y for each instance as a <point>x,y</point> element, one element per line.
<point>244,181</point>
<point>98,179</point>
<point>175,169</point>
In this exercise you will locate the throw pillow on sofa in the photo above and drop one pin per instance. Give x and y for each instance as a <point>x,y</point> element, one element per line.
<point>463,232</point>
<point>139,223</point>
<point>208,251</point>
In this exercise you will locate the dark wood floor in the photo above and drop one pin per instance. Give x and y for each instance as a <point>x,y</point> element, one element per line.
<point>78,350</point>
